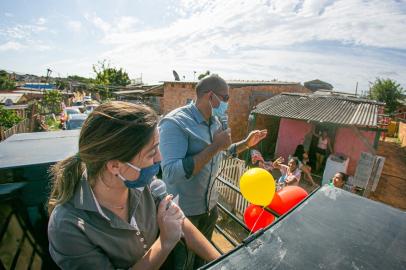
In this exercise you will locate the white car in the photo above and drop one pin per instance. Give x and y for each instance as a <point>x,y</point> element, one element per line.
<point>75,121</point>
<point>90,108</point>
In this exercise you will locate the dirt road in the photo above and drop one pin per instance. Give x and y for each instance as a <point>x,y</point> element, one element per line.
<point>391,189</point>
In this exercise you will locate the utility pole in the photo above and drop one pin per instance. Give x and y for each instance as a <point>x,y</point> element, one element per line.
<point>356,89</point>
<point>49,71</point>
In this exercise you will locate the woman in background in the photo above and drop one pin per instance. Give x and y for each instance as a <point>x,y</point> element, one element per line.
<point>303,158</point>
<point>290,173</point>
<point>323,145</point>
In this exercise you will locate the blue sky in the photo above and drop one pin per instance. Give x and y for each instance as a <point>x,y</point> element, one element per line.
<point>339,41</point>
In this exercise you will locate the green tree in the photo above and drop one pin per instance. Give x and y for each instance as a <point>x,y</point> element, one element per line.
<point>201,76</point>
<point>61,84</point>
<point>51,101</point>
<point>109,78</point>
<point>8,118</point>
<point>388,91</point>
<point>5,82</point>
<point>76,78</point>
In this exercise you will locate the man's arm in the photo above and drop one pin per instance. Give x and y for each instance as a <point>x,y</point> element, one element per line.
<point>252,139</point>
<point>176,165</point>
<point>173,147</point>
<point>221,141</point>
<point>240,146</point>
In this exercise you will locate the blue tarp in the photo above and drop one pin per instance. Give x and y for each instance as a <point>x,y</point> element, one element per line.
<point>39,86</point>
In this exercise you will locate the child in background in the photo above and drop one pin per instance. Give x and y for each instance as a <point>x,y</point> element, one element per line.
<point>303,157</point>
<point>258,160</point>
<point>340,181</point>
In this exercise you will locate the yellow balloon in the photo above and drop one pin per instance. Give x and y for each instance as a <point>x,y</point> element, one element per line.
<point>257,186</point>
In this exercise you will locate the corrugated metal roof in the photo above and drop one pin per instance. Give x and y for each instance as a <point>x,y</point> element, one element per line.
<point>128,92</point>
<point>13,97</point>
<point>337,109</point>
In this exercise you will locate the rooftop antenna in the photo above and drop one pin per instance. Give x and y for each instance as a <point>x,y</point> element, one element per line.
<point>176,75</point>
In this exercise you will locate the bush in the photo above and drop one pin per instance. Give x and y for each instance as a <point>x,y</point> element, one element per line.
<point>8,118</point>
<point>51,102</point>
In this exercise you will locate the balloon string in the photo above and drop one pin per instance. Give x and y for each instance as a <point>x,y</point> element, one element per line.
<point>256,221</point>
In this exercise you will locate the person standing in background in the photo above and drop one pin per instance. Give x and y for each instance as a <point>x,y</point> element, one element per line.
<point>323,145</point>
<point>194,139</point>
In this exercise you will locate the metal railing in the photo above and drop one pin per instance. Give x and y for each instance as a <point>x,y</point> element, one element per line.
<point>226,184</point>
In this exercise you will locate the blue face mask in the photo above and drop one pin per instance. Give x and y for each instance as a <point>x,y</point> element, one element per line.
<point>221,110</point>
<point>145,178</point>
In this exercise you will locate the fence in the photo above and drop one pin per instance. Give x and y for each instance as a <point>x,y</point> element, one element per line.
<point>402,133</point>
<point>231,171</point>
<point>25,125</point>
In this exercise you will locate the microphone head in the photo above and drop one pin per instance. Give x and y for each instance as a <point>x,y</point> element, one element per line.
<point>158,189</point>
<point>224,122</point>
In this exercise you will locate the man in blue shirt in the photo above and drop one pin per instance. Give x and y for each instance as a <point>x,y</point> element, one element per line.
<point>193,141</point>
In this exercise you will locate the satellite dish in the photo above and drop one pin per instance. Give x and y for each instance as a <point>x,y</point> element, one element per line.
<point>175,74</point>
<point>8,102</point>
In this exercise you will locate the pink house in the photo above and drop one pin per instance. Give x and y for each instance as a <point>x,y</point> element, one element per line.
<point>352,124</point>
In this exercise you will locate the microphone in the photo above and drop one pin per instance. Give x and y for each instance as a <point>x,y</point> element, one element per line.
<point>158,190</point>
<point>224,122</point>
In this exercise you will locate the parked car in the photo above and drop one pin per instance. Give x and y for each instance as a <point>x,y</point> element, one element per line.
<point>87,98</point>
<point>90,108</point>
<point>79,103</point>
<point>65,115</point>
<point>75,121</point>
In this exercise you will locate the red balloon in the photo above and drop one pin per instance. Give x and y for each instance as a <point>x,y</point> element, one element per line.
<point>286,198</point>
<point>255,215</point>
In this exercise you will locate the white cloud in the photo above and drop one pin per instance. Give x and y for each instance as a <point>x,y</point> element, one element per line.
<point>98,22</point>
<point>41,21</point>
<point>120,25</point>
<point>126,23</point>
<point>21,31</point>
<point>340,41</point>
<point>259,38</point>
<point>11,46</point>
<point>8,14</point>
<point>75,26</point>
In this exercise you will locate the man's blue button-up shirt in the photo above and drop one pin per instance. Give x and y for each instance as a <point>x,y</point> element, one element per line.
<point>184,133</point>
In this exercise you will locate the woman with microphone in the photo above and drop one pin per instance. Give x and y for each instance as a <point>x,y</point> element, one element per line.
<point>103,213</point>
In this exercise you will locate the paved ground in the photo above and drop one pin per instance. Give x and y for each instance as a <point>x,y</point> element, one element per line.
<point>391,189</point>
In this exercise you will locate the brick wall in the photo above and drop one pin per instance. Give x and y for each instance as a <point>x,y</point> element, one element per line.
<point>242,100</point>
<point>176,95</point>
<point>402,133</point>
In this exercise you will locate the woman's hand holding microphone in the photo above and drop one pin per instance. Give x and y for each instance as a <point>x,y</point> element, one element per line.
<point>170,222</point>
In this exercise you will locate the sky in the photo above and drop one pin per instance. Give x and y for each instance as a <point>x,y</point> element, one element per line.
<point>338,41</point>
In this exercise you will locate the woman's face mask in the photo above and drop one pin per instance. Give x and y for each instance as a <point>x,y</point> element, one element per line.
<point>145,178</point>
